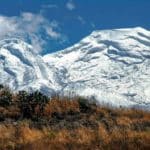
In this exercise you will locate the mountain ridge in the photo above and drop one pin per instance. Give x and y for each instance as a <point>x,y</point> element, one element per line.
<point>110,65</point>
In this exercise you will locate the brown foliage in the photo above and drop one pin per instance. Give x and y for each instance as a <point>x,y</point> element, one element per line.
<point>56,105</point>
<point>73,123</point>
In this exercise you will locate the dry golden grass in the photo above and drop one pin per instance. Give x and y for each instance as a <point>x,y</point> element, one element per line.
<point>22,136</point>
<point>79,126</point>
<point>61,106</point>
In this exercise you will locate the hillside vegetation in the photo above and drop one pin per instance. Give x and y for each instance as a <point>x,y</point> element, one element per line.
<point>32,121</point>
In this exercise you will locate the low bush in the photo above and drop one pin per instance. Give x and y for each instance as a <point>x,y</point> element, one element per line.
<point>33,121</point>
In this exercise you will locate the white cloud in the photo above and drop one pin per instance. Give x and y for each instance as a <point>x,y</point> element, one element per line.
<point>70,5</point>
<point>81,20</point>
<point>49,6</point>
<point>33,27</point>
<point>52,33</point>
<point>92,25</point>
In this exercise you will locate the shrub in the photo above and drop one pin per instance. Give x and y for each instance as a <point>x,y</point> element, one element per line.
<point>69,123</point>
<point>5,97</point>
<point>61,106</point>
<point>32,104</point>
<point>1,86</point>
<point>83,103</point>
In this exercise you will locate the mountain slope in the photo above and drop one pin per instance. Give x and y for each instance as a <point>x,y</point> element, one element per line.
<point>112,65</point>
<point>22,69</point>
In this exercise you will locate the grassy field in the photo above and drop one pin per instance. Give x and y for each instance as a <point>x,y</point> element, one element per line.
<point>29,121</point>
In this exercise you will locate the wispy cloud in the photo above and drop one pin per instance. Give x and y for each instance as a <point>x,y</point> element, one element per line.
<point>33,27</point>
<point>49,6</point>
<point>70,5</point>
<point>81,19</point>
<point>92,25</point>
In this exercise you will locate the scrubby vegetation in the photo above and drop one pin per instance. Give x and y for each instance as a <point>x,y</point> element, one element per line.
<point>30,121</point>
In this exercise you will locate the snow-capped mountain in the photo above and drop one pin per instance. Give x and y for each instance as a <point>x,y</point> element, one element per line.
<point>22,69</point>
<point>111,65</point>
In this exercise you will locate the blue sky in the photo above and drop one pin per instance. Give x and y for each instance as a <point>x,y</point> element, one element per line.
<point>58,24</point>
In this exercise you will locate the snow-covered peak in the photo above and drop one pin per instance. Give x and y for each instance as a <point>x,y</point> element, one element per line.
<point>119,33</point>
<point>15,43</point>
<point>22,69</point>
<point>113,66</point>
